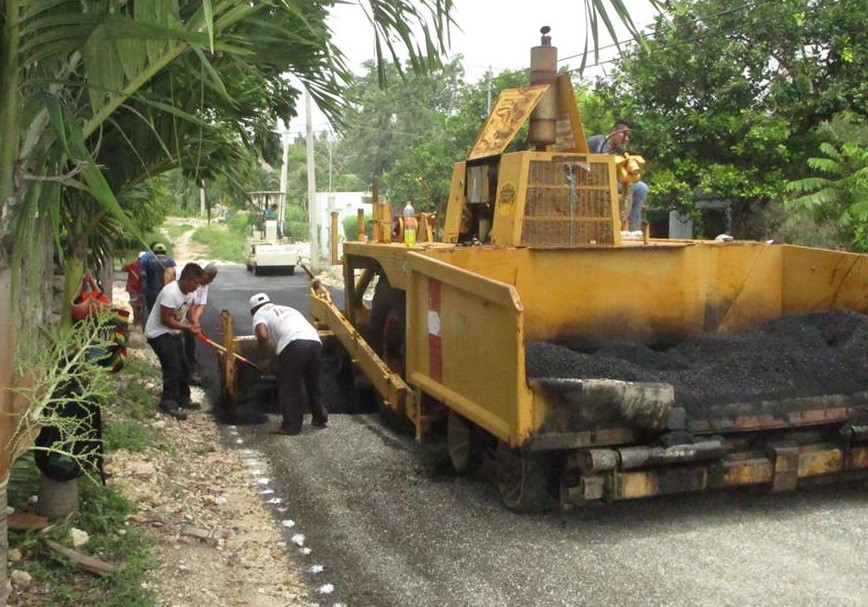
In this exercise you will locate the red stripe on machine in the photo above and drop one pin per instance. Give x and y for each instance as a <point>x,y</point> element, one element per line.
<point>435,351</point>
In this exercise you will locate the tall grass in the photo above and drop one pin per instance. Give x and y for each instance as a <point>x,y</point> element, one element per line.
<point>225,241</point>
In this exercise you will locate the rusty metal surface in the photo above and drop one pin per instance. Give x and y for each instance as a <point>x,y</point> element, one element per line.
<point>513,107</point>
<point>568,202</point>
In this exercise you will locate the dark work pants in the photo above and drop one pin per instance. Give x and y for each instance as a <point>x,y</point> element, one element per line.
<point>297,372</point>
<point>190,352</point>
<point>173,362</point>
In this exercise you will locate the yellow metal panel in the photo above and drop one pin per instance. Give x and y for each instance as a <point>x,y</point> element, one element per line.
<point>509,199</point>
<point>858,459</point>
<point>532,203</point>
<point>456,204</point>
<point>754,471</point>
<point>634,485</point>
<point>511,110</point>
<point>820,461</point>
<point>390,256</point>
<point>746,287</point>
<point>651,293</point>
<point>481,337</point>
<point>815,280</point>
<point>662,481</point>
<point>571,133</point>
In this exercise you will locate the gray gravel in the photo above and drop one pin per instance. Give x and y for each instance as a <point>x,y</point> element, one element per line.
<point>392,530</point>
<point>809,355</point>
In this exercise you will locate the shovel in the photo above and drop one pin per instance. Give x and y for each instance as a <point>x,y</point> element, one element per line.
<point>220,348</point>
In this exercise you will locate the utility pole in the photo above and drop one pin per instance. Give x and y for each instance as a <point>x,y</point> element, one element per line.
<point>331,199</point>
<point>284,177</point>
<point>311,186</point>
<point>202,198</point>
<point>488,105</point>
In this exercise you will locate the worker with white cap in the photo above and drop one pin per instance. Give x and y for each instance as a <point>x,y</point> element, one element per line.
<point>299,351</point>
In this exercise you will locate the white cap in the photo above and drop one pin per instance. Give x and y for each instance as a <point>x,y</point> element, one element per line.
<point>258,299</point>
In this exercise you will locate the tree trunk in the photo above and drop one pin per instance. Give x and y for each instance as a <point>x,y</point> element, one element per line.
<point>57,499</point>
<point>4,546</point>
<point>7,350</point>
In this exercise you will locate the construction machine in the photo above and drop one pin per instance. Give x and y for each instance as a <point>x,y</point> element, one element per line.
<point>501,331</point>
<point>267,248</point>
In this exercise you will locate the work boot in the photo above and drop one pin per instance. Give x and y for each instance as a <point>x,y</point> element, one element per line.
<point>191,405</point>
<point>320,415</point>
<point>170,407</point>
<point>285,430</point>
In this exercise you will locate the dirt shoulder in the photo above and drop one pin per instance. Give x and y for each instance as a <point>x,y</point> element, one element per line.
<point>198,494</point>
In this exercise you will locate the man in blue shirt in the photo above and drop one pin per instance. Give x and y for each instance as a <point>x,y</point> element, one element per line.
<point>154,273</point>
<point>614,143</point>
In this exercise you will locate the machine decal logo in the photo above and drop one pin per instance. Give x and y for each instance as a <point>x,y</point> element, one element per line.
<point>506,199</point>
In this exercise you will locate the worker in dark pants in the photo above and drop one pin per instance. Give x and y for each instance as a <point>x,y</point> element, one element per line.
<point>166,321</point>
<point>299,351</point>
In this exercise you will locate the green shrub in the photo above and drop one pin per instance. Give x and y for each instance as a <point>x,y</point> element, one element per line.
<point>296,223</point>
<point>351,226</point>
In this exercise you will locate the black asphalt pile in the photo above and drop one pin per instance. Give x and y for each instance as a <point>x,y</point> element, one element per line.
<point>811,355</point>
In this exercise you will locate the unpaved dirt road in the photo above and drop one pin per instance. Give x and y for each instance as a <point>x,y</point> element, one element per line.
<point>378,522</point>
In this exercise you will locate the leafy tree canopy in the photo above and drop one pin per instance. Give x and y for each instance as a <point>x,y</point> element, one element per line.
<point>728,98</point>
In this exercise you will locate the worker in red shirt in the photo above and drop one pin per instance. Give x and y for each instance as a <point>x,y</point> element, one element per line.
<point>134,288</point>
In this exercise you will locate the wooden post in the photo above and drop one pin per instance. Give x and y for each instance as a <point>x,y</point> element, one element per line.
<point>376,235</point>
<point>333,239</point>
<point>360,225</point>
<point>424,229</point>
<point>386,222</point>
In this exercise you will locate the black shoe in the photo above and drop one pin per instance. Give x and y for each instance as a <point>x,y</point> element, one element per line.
<point>320,416</point>
<point>195,379</point>
<point>192,406</point>
<point>170,407</point>
<point>286,430</point>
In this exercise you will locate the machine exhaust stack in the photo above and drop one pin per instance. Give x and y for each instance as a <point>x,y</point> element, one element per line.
<point>544,70</point>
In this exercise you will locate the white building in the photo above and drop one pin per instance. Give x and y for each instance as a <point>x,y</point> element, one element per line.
<point>346,204</point>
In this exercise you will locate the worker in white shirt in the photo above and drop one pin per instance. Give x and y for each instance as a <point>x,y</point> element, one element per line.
<point>166,321</point>
<point>299,351</point>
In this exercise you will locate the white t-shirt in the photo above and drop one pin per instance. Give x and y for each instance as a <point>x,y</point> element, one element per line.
<point>284,325</point>
<point>170,296</point>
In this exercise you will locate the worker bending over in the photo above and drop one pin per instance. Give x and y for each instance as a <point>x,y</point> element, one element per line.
<point>299,350</point>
